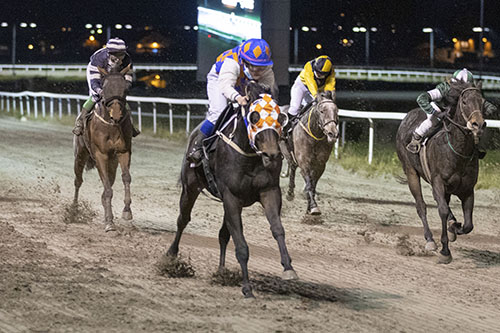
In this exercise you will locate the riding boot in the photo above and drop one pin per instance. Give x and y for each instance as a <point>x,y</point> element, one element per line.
<point>78,130</point>
<point>414,145</point>
<point>196,153</point>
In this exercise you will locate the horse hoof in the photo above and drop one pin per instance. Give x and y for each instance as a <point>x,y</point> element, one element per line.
<point>442,259</point>
<point>452,233</point>
<point>110,227</point>
<point>284,174</point>
<point>431,246</point>
<point>289,275</point>
<point>314,211</point>
<point>127,215</point>
<point>247,292</point>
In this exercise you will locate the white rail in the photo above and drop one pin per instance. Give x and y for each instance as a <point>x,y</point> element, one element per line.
<point>27,101</point>
<point>368,74</point>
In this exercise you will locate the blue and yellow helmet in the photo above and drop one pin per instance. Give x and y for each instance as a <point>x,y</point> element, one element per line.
<point>256,52</point>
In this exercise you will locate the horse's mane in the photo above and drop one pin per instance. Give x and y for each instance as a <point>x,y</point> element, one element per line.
<point>456,88</point>
<point>254,89</point>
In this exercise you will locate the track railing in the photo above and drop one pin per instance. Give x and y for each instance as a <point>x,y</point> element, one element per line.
<point>346,73</point>
<point>52,105</point>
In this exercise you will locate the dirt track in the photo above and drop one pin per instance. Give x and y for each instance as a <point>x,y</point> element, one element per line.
<point>361,270</point>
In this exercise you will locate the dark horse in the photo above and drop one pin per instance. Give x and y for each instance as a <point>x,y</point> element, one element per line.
<point>244,173</point>
<point>107,141</point>
<point>313,139</point>
<point>451,156</point>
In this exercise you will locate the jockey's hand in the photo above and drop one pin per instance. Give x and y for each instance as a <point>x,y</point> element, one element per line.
<point>440,114</point>
<point>242,100</point>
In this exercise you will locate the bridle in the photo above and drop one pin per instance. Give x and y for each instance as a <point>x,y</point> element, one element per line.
<point>460,110</point>
<point>315,108</point>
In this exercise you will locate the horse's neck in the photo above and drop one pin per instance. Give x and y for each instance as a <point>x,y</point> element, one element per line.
<point>460,140</point>
<point>311,120</point>
<point>240,134</point>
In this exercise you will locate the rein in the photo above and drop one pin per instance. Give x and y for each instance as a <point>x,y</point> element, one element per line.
<point>464,129</point>
<point>102,106</point>
<point>231,143</point>
<point>308,129</point>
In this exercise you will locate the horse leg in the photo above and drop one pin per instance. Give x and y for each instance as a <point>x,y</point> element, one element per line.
<point>271,201</point>
<point>124,160</point>
<point>232,217</point>
<point>224,237</point>
<point>189,195</point>
<point>416,191</point>
<point>102,161</point>
<point>291,181</point>
<point>467,208</point>
<point>453,225</point>
<point>80,159</point>
<point>438,192</point>
<point>312,206</point>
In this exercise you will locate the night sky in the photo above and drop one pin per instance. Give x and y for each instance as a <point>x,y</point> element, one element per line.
<point>399,24</point>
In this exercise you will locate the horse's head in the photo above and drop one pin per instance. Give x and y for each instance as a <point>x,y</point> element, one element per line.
<point>114,90</point>
<point>264,124</point>
<point>469,107</point>
<point>328,115</point>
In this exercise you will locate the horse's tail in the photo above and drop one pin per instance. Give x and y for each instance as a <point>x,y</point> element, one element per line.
<point>401,180</point>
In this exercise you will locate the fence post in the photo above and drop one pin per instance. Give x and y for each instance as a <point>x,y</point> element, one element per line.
<point>154,117</point>
<point>336,151</point>
<point>139,115</point>
<point>60,108</point>
<point>78,107</point>
<point>28,108</point>
<point>170,118</point>
<point>14,103</point>
<point>35,106</point>
<point>21,105</point>
<point>8,104</point>
<point>3,103</point>
<point>343,133</point>
<point>188,119</point>
<point>370,143</point>
<point>52,107</point>
<point>69,107</point>
<point>43,106</point>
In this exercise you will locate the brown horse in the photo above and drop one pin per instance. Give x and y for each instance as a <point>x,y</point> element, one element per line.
<point>313,139</point>
<point>452,162</point>
<point>246,171</point>
<point>107,141</point>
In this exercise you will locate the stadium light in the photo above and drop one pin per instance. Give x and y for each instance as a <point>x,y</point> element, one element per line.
<point>430,31</point>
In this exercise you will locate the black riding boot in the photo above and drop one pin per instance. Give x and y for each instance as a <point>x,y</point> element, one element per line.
<point>196,153</point>
<point>414,145</point>
<point>78,130</point>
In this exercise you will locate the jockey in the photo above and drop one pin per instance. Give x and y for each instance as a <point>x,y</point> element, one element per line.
<point>114,55</point>
<point>318,75</point>
<point>433,101</point>
<point>227,80</point>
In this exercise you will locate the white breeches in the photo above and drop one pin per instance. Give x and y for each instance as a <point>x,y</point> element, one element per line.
<point>426,125</point>
<point>216,100</point>
<point>298,94</point>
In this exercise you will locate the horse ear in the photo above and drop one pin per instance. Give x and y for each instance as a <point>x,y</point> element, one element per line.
<point>103,71</point>
<point>479,85</point>
<point>333,96</point>
<point>125,70</point>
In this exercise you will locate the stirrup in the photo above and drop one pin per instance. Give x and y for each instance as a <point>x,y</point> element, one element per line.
<point>77,130</point>
<point>414,148</point>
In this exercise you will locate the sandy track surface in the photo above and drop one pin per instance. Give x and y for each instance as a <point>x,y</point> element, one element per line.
<point>362,267</point>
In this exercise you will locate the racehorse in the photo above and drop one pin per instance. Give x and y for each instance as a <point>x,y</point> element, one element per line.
<point>313,140</point>
<point>246,165</point>
<point>448,162</point>
<point>107,141</point>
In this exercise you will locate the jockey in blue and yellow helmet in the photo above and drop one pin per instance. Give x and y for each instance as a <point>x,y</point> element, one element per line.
<point>227,80</point>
